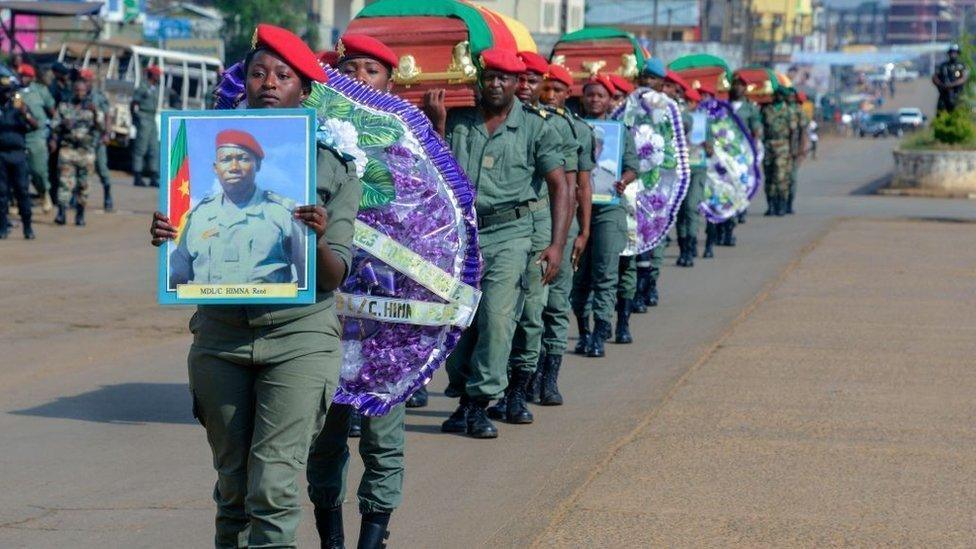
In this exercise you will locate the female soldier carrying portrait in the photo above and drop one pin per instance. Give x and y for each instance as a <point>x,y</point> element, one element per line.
<point>261,376</point>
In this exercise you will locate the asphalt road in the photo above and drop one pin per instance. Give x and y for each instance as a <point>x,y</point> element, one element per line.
<point>98,447</point>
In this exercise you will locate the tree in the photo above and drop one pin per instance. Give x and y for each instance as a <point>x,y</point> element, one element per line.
<point>242,16</point>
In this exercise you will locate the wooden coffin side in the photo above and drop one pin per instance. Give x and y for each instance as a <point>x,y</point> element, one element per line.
<point>695,76</point>
<point>429,53</point>
<point>588,57</point>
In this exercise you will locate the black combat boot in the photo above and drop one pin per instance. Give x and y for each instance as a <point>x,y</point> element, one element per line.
<point>780,207</point>
<point>652,297</point>
<point>728,237</point>
<point>692,250</point>
<point>109,205</point>
<point>60,218</point>
<point>549,393</point>
<point>28,232</point>
<point>639,305</point>
<point>601,332</point>
<point>458,422</point>
<point>583,325</point>
<point>373,531</point>
<point>153,180</point>
<point>742,217</point>
<point>328,521</point>
<point>535,382</point>
<point>355,424</point>
<point>479,426</point>
<point>789,204</point>
<point>79,215</point>
<point>497,410</point>
<point>622,332</point>
<point>711,235</point>
<point>137,181</point>
<point>418,399</point>
<point>682,252</point>
<point>518,413</point>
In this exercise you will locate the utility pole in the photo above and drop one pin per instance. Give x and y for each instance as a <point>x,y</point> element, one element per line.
<point>655,32</point>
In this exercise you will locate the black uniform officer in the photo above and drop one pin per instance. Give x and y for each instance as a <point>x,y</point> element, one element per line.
<point>15,122</point>
<point>950,78</point>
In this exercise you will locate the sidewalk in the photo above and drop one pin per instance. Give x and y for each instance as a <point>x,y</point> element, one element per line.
<point>838,410</point>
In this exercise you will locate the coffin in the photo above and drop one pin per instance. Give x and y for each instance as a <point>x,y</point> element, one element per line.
<point>598,50</point>
<point>760,83</point>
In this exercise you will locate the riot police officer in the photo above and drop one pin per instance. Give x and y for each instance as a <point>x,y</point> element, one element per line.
<point>15,122</point>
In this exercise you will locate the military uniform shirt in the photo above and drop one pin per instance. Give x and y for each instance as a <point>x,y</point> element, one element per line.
<point>778,123</point>
<point>949,71</point>
<point>147,97</point>
<point>507,168</point>
<point>563,123</point>
<point>76,126</point>
<point>748,112</point>
<point>226,243</point>
<point>38,99</point>
<point>339,191</point>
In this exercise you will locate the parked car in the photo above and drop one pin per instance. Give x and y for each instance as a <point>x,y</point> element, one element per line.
<point>911,118</point>
<point>904,74</point>
<point>880,124</point>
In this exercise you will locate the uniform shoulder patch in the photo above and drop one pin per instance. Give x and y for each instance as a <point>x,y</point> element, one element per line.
<point>276,198</point>
<point>535,110</point>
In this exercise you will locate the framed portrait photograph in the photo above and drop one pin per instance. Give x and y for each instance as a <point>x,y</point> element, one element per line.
<point>608,150</point>
<point>230,182</point>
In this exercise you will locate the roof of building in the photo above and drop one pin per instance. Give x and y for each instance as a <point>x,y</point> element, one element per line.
<point>65,9</point>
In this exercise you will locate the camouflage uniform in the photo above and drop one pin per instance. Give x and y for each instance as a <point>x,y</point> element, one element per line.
<point>779,126</point>
<point>800,123</point>
<point>77,126</point>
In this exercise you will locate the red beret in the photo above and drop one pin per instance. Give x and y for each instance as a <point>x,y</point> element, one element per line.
<point>621,83</point>
<point>361,45</point>
<point>802,97</point>
<point>502,60</point>
<point>291,49</point>
<point>26,70</point>
<point>559,73</point>
<point>239,138</point>
<point>534,62</point>
<point>86,75</point>
<point>328,57</point>
<point>690,93</point>
<point>154,70</point>
<point>604,81</point>
<point>707,85</point>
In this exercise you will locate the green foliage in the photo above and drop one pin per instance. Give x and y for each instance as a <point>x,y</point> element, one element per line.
<point>378,188</point>
<point>923,140</point>
<point>967,55</point>
<point>953,127</point>
<point>241,17</point>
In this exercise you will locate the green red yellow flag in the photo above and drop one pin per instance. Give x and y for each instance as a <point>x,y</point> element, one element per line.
<point>179,182</point>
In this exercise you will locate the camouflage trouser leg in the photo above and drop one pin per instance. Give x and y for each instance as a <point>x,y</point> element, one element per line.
<point>778,168</point>
<point>74,165</point>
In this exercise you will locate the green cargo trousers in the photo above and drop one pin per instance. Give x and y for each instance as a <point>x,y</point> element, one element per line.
<point>101,164</point>
<point>478,366</point>
<point>627,277</point>
<point>259,393</point>
<point>37,159</point>
<point>527,341</point>
<point>555,315</point>
<point>688,215</point>
<point>145,150</point>
<point>381,447</point>
<point>599,267</point>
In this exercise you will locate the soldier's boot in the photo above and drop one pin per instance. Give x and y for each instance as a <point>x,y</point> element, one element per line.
<point>29,232</point>
<point>458,421</point>
<point>79,215</point>
<point>652,297</point>
<point>373,531</point>
<point>109,205</point>
<point>4,227</point>
<point>549,392</point>
<point>532,393</point>
<point>479,426</point>
<point>137,180</point>
<point>742,217</point>
<point>153,180</point>
<point>639,305</point>
<point>692,250</point>
<point>583,324</point>
<point>328,522</point>
<point>622,333</point>
<point>518,413</point>
<point>711,235</point>
<point>770,206</point>
<point>728,239</point>
<point>418,399</point>
<point>789,204</point>
<point>780,207</point>
<point>497,410</point>
<point>60,218</point>
<point>600,334</point>
<point>682,252</point>
<point>355,424</point>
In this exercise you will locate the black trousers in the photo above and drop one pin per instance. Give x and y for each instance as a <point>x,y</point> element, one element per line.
<point>14,181</point>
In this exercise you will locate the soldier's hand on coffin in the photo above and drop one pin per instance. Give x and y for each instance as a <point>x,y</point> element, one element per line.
<point>435,109</point>
<point>161,229</point>
<point>314,217</point>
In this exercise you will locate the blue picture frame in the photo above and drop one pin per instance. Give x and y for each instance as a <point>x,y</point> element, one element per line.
<point>279,269</point>
<point>608,151</point>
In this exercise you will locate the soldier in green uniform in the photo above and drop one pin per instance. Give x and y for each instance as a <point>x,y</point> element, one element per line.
<point>686,224</point>
<point>748,112</point>
<point>382,439</point>
<point>649,263</point>
<point>226,237</point>
<point>527,342</point>
<point>75,128</point>
<point>779,126</point>
<point>556,314</point>
<point>260,376</point>
<point>101,149</point>
<point>41,106</point>
<point>513,157</point>
<point>597,276</point>
<point>145,150</point>
<point>799,144</point>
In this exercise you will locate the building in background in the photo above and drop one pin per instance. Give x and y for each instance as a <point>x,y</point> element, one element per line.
<point>921,21</point>
<point>674,20</point>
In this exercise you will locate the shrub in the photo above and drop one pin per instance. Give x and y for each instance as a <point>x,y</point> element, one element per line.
<point>953,127</point>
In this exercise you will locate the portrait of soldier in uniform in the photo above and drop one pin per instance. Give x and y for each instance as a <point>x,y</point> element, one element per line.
<point>607,143</point>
